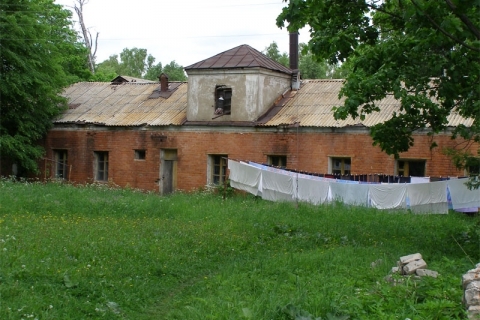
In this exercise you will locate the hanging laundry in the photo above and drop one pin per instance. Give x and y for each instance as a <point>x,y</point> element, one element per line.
<point>427,197</point>
<point>277,186</point>
<point>245,177</point>
<point>349,193</point>
<point>314,191</point>
<point>388,196</point>
<point>461,196</point>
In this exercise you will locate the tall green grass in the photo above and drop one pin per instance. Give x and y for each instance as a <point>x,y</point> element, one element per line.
<point>94,252</point>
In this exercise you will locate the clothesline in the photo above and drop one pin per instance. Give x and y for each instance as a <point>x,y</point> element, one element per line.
<point>277,184</point>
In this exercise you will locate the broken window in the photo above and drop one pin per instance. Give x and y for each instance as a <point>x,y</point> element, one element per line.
<point>277,161</point>
<point>140,154</point>
<point>411,168</point>
<point>101,166</point>
<point>340,166</point>
<point>223,100</point>
<point>217,169</point>
<point>61,167</point>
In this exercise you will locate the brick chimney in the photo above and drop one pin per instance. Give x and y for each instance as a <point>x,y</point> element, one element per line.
<point>163,82</point>
<point>294,60</point>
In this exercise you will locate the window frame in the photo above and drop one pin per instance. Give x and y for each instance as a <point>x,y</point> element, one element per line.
<point>277,160</point>
<point>217,177</point>
<point>60,157</point>
<point>342,170</point>
<point>403,167</point>
<point>140,154</point>
<point>101,166</point>
<point>223,100</point>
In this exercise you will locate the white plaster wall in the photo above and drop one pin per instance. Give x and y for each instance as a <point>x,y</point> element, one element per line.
<point>253,92</point>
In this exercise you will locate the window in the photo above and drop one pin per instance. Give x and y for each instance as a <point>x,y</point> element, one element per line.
<point>60,164</point>
<point>340,166</point>
<point>472,165</point>
<point>101,166</point>
<point>223,100</point>
<point>217,169</point>
<point>411,168</point>
<point>140,154</point>
<point>277,161</point>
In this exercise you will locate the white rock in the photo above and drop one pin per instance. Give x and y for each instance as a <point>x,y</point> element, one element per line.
<point>472,294</point>
<point>426,273</point>
<point>470,277</point>
<point>414,265</point>
<point>407,259</point>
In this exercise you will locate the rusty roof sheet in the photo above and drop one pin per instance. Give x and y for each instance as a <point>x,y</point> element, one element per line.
<point>312,106</point>
<point>131,104</point>
<point>242,56</point>
<point>120,79</point>
<point>127,104</point>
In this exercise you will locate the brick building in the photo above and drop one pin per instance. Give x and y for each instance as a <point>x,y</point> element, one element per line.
<point>166,136</point>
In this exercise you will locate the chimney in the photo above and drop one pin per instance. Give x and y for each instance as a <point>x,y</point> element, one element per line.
<point>294,60</point>
<point>163,82</point>
<point>294,50</point>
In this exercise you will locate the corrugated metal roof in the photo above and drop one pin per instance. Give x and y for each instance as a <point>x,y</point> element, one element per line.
<point>312,106</point>
<point>126,104</point>
<point>120,79</point>
<point>130,104</point>
<point>242,56</point>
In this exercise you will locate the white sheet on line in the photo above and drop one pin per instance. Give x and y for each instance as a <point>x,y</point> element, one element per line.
<point>349,193</point>
<point>388,196</point>
<point>245,177</point>
<point>312,191</point>
<point>419,179</point>
<point>277,186</point>
<point>428,197</point>
<point>461,196</point>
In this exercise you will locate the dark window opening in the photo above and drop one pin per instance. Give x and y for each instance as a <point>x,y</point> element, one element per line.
<point>61,167</point>
<point>101,166</point>
<point>219,169</point>
<point>341,166</point>
<point>277,161</point>
<point>473,166</point>
<point>140,154</point>
<point>223,100</point>
<point>411,168</point>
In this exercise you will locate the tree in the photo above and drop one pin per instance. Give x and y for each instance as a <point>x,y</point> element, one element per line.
<point>138,63</point>
<point>87,36</point>
<point>310,67</point>
<point>273,53</point>
<point>424,53</point>
<point>174,71</point>
<point>39,55</point>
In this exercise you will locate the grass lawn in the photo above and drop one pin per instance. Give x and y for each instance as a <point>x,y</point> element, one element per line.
<point>93,252</point>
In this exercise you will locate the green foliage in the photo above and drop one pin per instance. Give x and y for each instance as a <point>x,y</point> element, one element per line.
<point>96,251</point>
<point>273,53</point>
<point>174,71</point>
<point>139,64</point>
<point>40,55</point>
<point>310,67</point>
<point>424,53</point>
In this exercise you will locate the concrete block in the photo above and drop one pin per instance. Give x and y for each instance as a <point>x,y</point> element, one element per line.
<point>412,257</point>
<point>469,277</point>
<point>426,273</point>
<point>474,313</point>
<point>472,294</point>
<point>414,265</point>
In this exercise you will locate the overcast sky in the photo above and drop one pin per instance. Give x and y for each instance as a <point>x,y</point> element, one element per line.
<point>186,31</point>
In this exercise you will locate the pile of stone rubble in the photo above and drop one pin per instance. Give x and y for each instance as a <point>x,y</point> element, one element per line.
<point>471,296</point>
<point>414,265</point>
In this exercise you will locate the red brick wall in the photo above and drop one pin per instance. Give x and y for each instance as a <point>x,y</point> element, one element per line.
<point>305,151</point>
